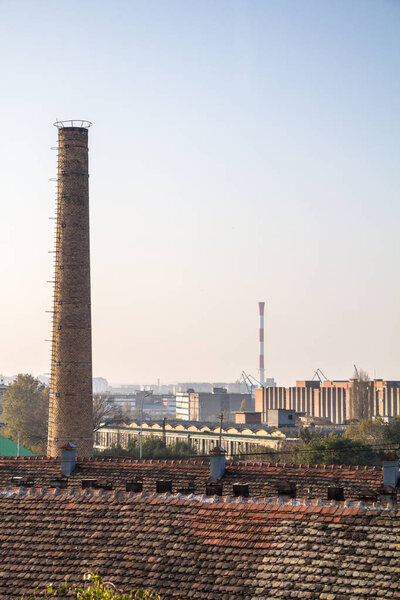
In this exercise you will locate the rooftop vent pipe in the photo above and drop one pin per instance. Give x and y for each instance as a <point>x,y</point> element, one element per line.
<point>217,463</point>
<point>390,470</point>
<point>68,459</point>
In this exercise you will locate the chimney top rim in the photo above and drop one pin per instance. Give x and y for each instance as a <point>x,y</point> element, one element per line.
<point>80,124</point>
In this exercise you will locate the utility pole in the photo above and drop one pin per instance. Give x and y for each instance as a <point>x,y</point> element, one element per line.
<point>141,426</point>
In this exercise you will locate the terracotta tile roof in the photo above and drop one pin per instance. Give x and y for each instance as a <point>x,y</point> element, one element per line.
<point>263,478</point>
<point>196,547</point>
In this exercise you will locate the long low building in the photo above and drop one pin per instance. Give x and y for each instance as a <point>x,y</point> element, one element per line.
<point>202,437</point>
<point>334,401</point>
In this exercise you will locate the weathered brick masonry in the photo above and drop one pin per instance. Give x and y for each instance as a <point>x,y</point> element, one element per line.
<point>71,417</point>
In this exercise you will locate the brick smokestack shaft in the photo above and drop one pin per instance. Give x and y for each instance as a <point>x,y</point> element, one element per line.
<point>71,411</point>
<point>261,340</point>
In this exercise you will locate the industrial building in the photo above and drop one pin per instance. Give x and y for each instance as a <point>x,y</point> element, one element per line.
<point>203,438</point>
<point>330,400</point>
<point>204,406</point>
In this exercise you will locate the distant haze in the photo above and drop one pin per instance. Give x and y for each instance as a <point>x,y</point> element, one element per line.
<point>241,151</point>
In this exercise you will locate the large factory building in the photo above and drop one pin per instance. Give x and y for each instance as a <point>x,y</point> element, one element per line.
<point>330,400</point>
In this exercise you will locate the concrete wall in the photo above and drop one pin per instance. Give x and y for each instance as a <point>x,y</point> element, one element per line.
<point>329,400</point>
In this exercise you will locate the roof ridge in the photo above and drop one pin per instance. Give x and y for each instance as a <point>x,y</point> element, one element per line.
<point>200,462</point>
<point>306,504</point>
<point>301,466</point>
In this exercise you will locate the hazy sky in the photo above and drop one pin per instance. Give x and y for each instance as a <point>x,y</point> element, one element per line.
<point>241,151</point>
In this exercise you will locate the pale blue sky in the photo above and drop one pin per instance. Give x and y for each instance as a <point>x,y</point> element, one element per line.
<point>241,151</point>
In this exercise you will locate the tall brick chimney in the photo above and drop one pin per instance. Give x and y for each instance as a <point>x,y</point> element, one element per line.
<point>71,410</point>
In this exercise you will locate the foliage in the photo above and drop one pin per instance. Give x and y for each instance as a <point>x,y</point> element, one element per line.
<point>97,589</point>
<point>243,405</point>
<point>375,431</point>
<point>337,450</point>
<point>103,410</point>
<point>152,447</point>
<point>306,434</point>
<point>25,412</point>
<point>392,431</point>
<point>359,395</point>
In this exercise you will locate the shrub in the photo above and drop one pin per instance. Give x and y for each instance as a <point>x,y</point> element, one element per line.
<point>96,589</point>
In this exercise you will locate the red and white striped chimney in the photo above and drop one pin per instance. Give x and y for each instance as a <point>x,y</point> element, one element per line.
<point>261,339</point>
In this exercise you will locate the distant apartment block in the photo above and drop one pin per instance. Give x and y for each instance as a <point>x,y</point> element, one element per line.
<point>151,406</point>
<point>182,405</point>
<point>330,400</point>
<point>207,406</point>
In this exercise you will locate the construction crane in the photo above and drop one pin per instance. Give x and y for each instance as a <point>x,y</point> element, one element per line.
<point>250,382</point>
<point>318,374</point>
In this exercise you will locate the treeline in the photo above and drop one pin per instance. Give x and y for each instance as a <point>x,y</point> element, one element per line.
<point>152,447</point>
<point>363,443</point>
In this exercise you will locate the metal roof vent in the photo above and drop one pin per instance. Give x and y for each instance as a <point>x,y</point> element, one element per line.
<point>163,486</point>
<point>59,482</point>
<point>134,486</point>
<point>214,488</point>
<point>89,484</point>
<point>241,489</point>
<point>335,493</point>
<point>217,462</point>
<point>22,482</point>
<point>390,470</point>
<point>68,459</point>
<point>286,488</point>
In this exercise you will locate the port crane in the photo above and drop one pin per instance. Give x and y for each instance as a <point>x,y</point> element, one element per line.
<point>319,374</point>
<point>250,382</point>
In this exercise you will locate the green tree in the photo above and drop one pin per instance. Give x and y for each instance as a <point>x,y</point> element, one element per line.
<point>306,434</point>
<point>103,410</point>
<point>360,395</point>
<point>152,447</point>
<point>375,432</point>
<point>25,412</point>
<point>337,450</point>
<point>368,431</point>
<point>392,432</point>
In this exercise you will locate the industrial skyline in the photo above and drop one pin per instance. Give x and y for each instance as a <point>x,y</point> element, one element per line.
<point>251,153</point>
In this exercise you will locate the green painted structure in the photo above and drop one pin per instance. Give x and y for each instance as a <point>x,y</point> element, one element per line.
<point>10,448</point>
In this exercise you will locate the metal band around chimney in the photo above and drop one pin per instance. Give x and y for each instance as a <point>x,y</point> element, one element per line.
<point>85,439</point>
